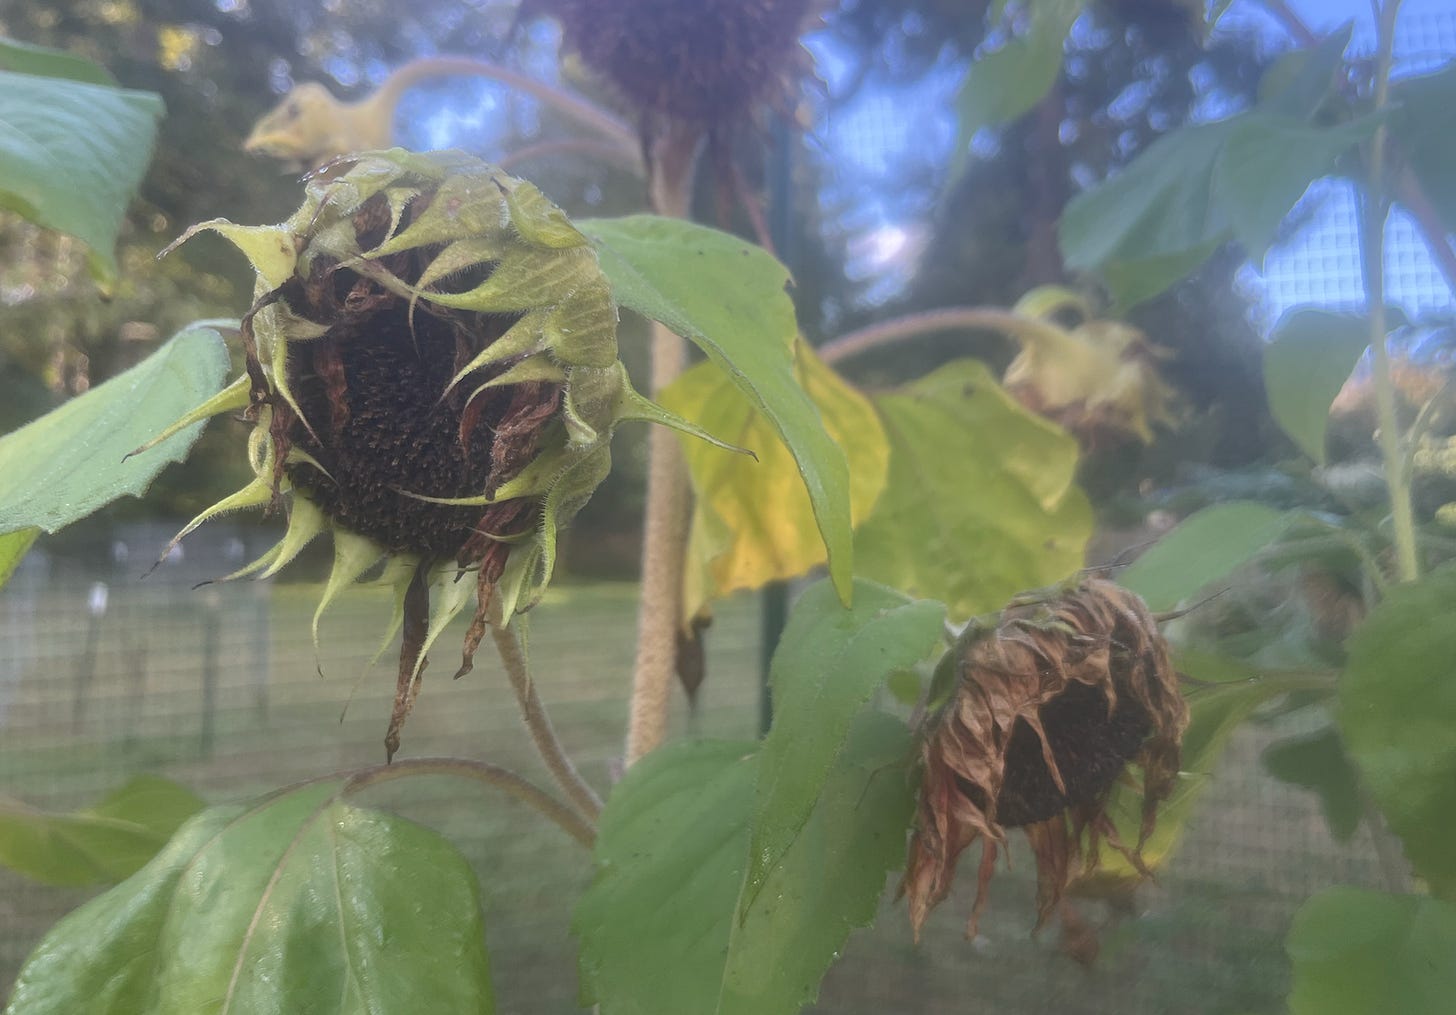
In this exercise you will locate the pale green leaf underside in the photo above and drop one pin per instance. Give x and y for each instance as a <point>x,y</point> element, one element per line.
<point>73,460</point>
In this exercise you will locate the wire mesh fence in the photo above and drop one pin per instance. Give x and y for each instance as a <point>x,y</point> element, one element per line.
<point>103,676</point>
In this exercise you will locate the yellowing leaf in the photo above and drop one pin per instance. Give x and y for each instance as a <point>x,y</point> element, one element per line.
<point>981,502</point>
<point>752,520</point>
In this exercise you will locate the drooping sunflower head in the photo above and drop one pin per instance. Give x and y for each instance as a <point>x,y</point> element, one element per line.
<point>1049,706</point>
<point>432,376</point>
<point>703,62</point>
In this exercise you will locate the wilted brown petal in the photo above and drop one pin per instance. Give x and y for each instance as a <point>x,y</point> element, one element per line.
<point>1048,710</point>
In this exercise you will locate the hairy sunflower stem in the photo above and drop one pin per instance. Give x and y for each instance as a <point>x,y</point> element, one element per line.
<point>567,818</point>
<point>538,723</point>
<point>1374,211</point>
<point>664,538</point>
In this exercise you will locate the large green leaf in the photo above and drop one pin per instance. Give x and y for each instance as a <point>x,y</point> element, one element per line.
<point>657,928</point>
<point>1356,952</point>
<point>1205,547</point>
<point>729,298</point>
<point>300,903</point>
<point>1156,209</point>
<point>1004,84</point>
<point>102,844</point>
<point>981,502</point>
<point>1397,712</point>
<point>830,880</point>
<point>73,460</point>
<point>24,58</point>
<point>1163,214</point>
<point>72,154</point>
<point>828,663</point>
<point>1308,360</point>
<point>752,520</point>
<point>12,549</point>
<point>1420,125</point>
<point>1318,762</point>
<point>1266,166</point>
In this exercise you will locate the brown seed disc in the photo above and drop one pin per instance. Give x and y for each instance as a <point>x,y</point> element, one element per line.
<point>1090,749</point>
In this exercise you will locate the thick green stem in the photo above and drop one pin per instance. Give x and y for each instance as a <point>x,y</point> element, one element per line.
<point>1376,208</point>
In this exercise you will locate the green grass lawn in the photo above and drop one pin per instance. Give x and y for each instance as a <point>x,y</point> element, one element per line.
<point>1207,940</point>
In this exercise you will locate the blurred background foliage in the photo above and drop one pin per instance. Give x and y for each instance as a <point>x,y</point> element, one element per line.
<point>1136,69</point>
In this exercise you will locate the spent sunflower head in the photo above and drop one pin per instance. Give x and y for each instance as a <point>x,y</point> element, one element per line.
<point>1048,707</point>
<point>432,377</point>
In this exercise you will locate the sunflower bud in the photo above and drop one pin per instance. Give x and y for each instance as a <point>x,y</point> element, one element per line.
<point>1048,707</point>
<point>432,375</point>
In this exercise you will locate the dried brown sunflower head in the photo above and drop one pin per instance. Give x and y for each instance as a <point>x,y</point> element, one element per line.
<point>432,375</point>
<point>1048,707</point>
<point>704,61</point>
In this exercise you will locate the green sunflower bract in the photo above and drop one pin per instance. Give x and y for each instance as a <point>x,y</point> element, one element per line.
<point>432,375</point>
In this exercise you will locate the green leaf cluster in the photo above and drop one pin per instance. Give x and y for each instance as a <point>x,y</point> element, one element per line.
<point>730,874</point>
<point>1193,190</point>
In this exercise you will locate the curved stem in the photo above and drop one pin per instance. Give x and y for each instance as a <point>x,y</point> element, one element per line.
<point>583,112</point>
<point>899,329</point>
<point>1375,210</point>
<point>538,723</point>
<point>483,772</point>
<point>664,543</point>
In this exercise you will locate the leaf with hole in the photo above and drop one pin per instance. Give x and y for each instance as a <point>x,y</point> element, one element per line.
<point>1397,715</point>
<point>752,520</point>
<point>981,501</point>
<point>77,458</point>
<point>728,297</point>
<point>300,903</point>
